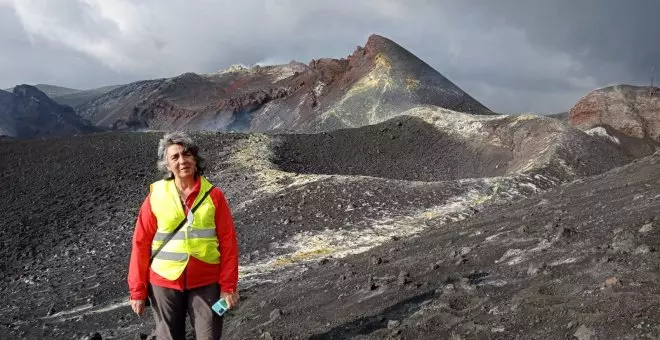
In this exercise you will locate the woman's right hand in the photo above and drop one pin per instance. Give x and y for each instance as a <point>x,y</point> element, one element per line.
<point>138,306</point>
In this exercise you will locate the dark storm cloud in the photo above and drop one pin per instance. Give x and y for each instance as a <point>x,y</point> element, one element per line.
<point>513,56</point>
<point>34,60</point>
<point>600,33</point>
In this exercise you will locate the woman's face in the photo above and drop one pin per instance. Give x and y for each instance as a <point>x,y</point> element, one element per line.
<point>181,163</point>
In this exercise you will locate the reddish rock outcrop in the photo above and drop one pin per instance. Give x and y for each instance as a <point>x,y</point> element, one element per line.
<point>632,110</point>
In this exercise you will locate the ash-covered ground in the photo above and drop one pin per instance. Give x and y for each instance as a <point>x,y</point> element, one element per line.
<point>578,261</point>
<point>402,229</point>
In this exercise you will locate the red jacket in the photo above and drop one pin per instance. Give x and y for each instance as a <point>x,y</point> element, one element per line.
<point>197,272</point>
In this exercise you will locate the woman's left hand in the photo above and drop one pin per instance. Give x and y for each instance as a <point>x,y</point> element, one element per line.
<point>232,298</point>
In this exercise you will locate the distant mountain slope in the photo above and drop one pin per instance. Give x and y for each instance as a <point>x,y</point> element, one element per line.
<point>562,116</point>
<point>373,84</point>
<point>28,113</point>
<point>74,99</point>
<point>71,97</point>
<point>52,91</point>
<point>7,118</point>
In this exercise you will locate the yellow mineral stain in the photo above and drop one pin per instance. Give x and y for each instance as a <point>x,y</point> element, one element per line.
<point>411,83</point>
<point>382,61</point>
<point>300,256</point>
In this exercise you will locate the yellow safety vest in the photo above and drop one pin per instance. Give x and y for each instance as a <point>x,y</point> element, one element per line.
<point>198,239</point>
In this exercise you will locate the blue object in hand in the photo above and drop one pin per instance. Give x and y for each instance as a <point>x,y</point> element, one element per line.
<point>220,307</point>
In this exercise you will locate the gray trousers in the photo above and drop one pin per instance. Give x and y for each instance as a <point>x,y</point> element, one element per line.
<point>170,307</point>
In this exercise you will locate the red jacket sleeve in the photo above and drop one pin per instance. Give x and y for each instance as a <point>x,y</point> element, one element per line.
<point>224,224</point>
<point>138,270</point>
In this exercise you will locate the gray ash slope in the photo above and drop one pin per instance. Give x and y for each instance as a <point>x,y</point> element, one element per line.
<point>75,98</point>
<point>71,203</point>
<point>576,260</point>
<point>433,144</point>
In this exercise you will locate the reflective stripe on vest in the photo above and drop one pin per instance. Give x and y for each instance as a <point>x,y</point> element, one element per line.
<point>197,239</point>
<point>164,255</point>
<point>180,235</point>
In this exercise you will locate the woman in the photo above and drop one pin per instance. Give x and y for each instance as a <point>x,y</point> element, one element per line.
<point>185,271</point>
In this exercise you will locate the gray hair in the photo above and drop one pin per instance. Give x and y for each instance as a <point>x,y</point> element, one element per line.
<point>183,139</point>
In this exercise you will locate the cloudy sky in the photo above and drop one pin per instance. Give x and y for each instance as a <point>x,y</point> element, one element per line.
<point>512,55</point>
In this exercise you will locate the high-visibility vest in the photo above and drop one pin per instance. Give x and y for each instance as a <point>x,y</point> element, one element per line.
<point>198,239</point>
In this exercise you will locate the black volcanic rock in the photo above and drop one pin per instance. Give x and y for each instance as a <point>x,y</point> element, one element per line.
<point>30,113</point>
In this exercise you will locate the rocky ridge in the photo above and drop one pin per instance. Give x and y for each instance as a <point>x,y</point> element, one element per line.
<point>376,82</point>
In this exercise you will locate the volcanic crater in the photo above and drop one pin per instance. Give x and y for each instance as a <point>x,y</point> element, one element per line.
<point>323,210</point>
